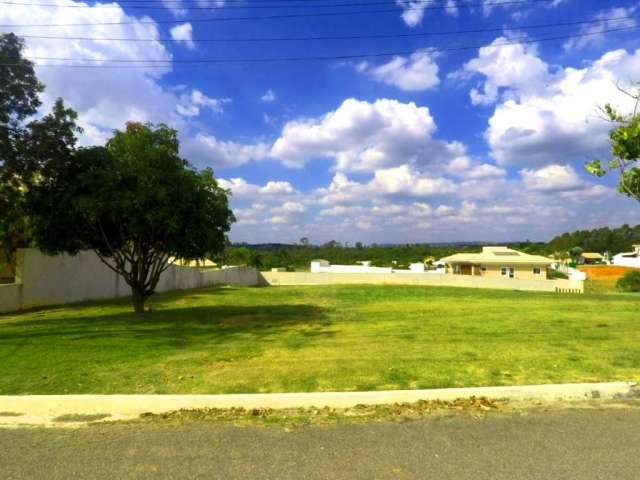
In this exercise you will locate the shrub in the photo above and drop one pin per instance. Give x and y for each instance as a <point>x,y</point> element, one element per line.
<point>630,282</point>
<point>557,274</point>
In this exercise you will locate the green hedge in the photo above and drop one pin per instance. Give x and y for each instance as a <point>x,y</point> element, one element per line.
<point>630,282</point>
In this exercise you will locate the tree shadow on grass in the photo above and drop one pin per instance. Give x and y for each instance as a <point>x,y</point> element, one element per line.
<point>163,299</point>
<point>245,330</point>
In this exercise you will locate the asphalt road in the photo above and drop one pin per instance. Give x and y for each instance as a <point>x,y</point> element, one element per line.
<point>577,444</point>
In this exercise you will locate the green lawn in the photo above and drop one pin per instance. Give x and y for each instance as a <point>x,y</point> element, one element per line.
<point>223,340</point>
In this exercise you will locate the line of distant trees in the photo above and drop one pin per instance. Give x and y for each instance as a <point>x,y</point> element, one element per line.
<point>298,256</point>
<point>612,240</point>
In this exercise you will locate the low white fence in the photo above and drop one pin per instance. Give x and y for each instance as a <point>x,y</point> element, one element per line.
<point>54,280</point>
<point>622,261</point>
<point>470,281</point>
<point>575,274</point>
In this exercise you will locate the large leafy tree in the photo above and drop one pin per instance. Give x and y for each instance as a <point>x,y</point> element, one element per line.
<point>19,86</point>
<point>19,89</point>
<point>27,149</point>
<point>625,148</point>
<point>136,203</point>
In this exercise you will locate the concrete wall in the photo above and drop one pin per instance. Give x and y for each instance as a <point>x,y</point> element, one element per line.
<point>322,266</point>
<point>624,260</point>
<point>5,272</point>
<point>326,268</point>
<point>54,280</point>
<point>10,296</point>
<point>304,278</point>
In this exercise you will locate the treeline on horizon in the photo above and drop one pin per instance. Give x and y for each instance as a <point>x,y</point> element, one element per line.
<point>298,256</point>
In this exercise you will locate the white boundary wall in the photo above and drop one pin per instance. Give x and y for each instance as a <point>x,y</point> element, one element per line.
<point>322,266</point>
<point>626,261</point>
<point>470,281</point>
<point>55,280</point>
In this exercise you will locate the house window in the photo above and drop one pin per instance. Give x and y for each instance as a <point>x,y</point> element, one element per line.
<point>508,272</point>
<point>483,269</point>
<point>536,270</point>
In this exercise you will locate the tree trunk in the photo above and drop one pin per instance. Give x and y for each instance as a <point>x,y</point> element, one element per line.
<point>138,300</point>
<point>141,270</point>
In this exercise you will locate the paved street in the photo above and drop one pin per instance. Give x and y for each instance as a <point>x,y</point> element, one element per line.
<point>580,444</point>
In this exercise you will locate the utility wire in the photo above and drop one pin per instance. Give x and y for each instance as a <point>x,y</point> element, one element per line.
<point>344,37</point>
<point>415,5</point>
<point>271,17</point>
<point>211,61</point>
<point>257,2</point>
<point>260,2</point>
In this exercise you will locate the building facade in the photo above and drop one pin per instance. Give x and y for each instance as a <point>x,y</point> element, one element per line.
<point>499,262</point>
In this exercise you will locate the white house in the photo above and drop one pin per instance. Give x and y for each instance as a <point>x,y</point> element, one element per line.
<point>629,259</point>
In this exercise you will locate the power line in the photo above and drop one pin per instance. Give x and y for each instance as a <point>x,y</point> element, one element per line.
<point>275,17</point>
<point>178,4</point>
<point>343,37</point>
<point>212,61</point>
<point>415,4</point>
<point>255,2</point>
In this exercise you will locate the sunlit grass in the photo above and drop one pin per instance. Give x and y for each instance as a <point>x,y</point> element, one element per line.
<point>224,340</point>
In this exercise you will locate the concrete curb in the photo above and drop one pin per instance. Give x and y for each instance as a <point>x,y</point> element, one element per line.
<point>44,409</point>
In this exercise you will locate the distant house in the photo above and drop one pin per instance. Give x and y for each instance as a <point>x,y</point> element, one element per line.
<point>629,259</point>
<point>499,262</point>
<point>590,258</point>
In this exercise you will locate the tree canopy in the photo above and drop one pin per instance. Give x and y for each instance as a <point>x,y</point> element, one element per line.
<point>605,239</point>
<point>625,148</point>
<point>136,202</point>
<point>19,86</point>
<point>26,149</point>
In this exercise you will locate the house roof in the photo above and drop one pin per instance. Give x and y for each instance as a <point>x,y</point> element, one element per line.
<point>592,256</point>
<point>498,256</point>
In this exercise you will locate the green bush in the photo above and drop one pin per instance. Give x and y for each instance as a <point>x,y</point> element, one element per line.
<point>630,282</point>
<point>553,274</point>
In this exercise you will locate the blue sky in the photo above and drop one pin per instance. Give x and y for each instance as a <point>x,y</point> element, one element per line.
<point>464,136</point>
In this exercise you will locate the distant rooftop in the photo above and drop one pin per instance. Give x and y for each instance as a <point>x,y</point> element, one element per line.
<point>498,255</point>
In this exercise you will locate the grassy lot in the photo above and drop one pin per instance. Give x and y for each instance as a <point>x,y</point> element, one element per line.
<point>601,285</point>
<point>224,340</point>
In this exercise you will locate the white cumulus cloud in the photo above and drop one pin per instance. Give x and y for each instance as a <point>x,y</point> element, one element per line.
<point>516,67</point>
<point>268,96</point>
<point>413,11</point>
<point>364,136</point>
<point>242,189</point>
<point>205,149</point>
<point>552,178</point>
<point>611,19</point>
<point>416,72</point>
<point>402,181</point>
<point>107,98</point>
<point>547,115</point>
<point>183,33</point>
<point>191,103</point>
